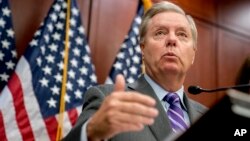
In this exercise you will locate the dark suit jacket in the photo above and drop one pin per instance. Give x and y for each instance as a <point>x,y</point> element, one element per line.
<point>156,132</point>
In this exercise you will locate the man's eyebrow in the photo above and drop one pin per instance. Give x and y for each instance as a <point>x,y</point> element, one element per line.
<point>160,26</point>
<point>184,28</point>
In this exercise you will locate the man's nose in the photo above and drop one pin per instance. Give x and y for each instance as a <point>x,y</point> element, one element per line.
<point>171,40</point>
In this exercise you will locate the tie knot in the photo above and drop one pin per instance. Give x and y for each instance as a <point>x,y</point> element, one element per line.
<point>172,98</point>
<point>175,112</point>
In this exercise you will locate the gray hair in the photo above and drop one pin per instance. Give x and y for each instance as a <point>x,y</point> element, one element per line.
<point>165,6</point>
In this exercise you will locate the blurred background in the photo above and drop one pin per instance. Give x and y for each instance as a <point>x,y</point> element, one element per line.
<point>223,36</point>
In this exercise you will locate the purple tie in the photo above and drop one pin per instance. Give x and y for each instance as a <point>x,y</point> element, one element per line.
<point>175,112</point>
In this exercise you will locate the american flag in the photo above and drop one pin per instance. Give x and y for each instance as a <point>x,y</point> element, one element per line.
<point>128,60</point>
<point>29,104</point>
<point>8,55</point>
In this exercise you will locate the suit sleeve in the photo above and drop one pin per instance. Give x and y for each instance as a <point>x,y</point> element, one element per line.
<point>92,101</point>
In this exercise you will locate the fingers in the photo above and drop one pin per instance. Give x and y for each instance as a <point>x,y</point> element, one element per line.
<point>131,96</point>
<point>110,120</point>
<point>133,103</point>
<point>134,108</point>
<point>119,83</point>
<point>132,119</point>
<point>120,125</point>
<point>109,123</point>
<point>122,111</point>
<point>129,102</point>
<point>130,110</point>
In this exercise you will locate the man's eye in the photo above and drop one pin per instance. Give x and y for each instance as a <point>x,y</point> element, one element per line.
<point>159,33</point>
<point>182,34</point>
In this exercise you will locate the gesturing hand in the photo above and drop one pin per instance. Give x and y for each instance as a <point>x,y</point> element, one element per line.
<point>121,111</point>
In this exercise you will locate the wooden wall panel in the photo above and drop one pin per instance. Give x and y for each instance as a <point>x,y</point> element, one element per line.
<point>203,71</point>
<point>235,16</point>
<point>200,9</point>
<point>110,23</point>
<point>233,39</point>
<point>27,16</point>
<point>84,7</point>
<point>232,50</point>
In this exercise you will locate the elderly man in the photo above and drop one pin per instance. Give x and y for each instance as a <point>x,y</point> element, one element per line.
<point>156,105</point>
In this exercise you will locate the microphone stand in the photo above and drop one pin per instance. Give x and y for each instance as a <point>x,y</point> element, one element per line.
<point>197,90</point>
<point>225,88</point>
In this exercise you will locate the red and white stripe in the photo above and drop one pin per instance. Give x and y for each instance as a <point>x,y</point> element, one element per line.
<point>20,116</point>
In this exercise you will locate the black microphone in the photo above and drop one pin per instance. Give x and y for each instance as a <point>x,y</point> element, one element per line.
<point>197,90</point>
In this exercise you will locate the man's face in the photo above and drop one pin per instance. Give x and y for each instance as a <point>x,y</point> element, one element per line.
<point>169,46</point>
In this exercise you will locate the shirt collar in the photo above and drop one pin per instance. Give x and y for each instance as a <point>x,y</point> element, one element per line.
<point>160,92</point>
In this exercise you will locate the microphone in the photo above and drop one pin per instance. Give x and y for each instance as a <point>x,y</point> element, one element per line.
<point>197,90</point>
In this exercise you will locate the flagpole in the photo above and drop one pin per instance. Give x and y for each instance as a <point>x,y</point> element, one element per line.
<point>59,134</point>
<point>89,19</point>
<point>147,4</point>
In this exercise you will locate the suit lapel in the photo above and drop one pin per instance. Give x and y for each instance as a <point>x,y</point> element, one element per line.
<point>192,110</point>
<point>161,128</point>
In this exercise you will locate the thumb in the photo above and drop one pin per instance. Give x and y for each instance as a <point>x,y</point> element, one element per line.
<point>119,83</point>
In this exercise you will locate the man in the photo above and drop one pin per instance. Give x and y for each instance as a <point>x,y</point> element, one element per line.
<point>138,111</point>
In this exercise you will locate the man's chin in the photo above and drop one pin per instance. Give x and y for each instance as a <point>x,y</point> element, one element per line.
<point>171,69</point>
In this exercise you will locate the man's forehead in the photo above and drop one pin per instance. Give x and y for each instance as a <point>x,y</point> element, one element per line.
<point>164,19</point>
<point>175,17</point>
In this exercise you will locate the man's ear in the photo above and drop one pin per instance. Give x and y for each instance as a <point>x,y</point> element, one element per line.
<point>195,49</point>
<point>142,54</point>
<point>142,48</point>
<point>193,59</point>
